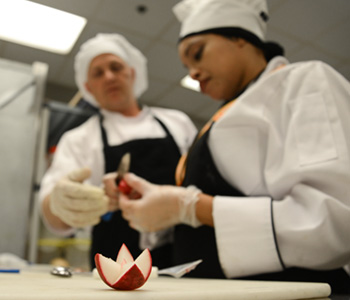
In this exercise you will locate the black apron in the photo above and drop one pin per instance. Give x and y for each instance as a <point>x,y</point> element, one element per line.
<point>200,243</point>
<point>154,159</point>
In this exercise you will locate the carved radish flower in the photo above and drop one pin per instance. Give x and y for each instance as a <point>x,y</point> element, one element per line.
<point>124,273</point>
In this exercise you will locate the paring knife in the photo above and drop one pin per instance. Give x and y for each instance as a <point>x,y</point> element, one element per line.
<point>123,168</point>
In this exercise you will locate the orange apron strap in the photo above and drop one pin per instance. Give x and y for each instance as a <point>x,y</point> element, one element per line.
<point>180,170</point>
<point>181,166</point>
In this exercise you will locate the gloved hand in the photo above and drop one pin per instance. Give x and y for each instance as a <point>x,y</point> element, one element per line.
<point>160,206</point>
<point>111,190</point>
<point>78,204</point>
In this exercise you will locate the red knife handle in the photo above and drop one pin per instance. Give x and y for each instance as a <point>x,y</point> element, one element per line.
<point>124,187</point>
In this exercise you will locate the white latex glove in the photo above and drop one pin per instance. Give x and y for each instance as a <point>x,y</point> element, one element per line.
<point>160,206</point>
<point>111,190</point>
<point>78,204</point>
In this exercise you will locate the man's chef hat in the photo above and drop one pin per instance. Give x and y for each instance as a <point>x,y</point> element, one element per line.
<point>114,44</point>
<point>247,17</point>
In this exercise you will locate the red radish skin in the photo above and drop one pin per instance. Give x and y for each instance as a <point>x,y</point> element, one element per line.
<point>124,187</point>
<point>131,280</point>
<point>124,273</point>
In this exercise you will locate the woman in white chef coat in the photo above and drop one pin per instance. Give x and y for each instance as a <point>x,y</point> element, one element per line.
<point>265,187</point>
<point>112,74</point>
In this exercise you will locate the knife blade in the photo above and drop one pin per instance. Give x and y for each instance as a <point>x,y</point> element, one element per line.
<point>123,168</point>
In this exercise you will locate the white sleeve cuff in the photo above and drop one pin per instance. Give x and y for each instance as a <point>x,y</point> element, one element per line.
<point>245,236</point>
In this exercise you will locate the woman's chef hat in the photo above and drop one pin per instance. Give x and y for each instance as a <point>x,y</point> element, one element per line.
<point>199,16</point>
<point>115,44</point>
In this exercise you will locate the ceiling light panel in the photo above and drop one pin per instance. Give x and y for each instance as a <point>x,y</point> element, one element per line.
<point>38,26</point>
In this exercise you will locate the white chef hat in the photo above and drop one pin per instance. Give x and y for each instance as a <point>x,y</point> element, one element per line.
<point>246,16</point>
<point>115,44</point>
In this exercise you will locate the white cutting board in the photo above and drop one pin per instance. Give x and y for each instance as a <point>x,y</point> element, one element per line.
<point>27,285</point>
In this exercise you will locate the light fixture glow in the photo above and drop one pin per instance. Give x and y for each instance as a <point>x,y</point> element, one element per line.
<point>38,26</point>
<point>189,83</point>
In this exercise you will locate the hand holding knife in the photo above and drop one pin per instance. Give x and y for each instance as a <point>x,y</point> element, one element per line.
<point>123,168</point>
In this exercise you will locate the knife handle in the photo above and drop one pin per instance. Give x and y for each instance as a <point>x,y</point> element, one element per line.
<point>107,216</point>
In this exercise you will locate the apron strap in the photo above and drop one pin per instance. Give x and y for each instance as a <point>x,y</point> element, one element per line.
<point>103,131</point>
<point>181,166</point>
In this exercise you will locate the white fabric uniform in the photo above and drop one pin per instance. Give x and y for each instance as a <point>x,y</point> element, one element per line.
<point>83,147</point>
<point>287,136</point>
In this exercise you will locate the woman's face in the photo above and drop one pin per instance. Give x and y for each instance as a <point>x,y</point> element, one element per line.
<point>216,62</point>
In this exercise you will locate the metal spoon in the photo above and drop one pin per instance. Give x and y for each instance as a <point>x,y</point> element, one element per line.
<point>61,271</point>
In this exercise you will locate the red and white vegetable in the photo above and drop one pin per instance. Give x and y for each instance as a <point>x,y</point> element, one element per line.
<point>125,273</point>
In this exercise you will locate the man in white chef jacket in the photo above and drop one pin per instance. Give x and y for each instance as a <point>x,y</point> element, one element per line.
<point>265,189</point>
<point>112,74</point>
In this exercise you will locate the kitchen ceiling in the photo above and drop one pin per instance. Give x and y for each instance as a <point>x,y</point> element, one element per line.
<point>308,29</point>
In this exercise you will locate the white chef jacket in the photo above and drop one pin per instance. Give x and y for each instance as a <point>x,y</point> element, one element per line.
<point>285,143</point>
<point>83,146</point>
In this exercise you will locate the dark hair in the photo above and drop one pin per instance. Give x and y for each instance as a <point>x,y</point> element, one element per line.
<point>270,49</point>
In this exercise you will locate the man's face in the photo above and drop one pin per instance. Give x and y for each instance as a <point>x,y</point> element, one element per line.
<point>110,80</point>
